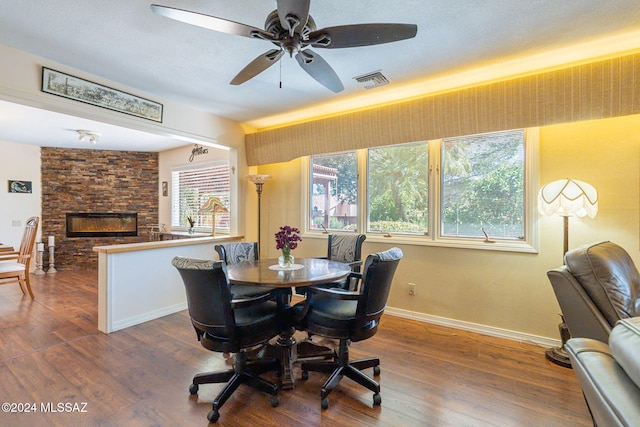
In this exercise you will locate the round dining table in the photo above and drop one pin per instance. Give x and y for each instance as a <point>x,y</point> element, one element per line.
<point>304,272</point>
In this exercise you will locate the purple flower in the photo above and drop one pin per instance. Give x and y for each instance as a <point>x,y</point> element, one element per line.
<point>287,237</point>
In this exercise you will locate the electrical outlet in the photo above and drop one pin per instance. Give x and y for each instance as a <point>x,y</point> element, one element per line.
<point>412,289</point>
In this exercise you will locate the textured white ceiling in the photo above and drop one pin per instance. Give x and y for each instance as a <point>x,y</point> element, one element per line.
<point>124,42</point>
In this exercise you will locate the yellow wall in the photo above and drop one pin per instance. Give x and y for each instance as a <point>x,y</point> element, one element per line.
<point>497,289</point>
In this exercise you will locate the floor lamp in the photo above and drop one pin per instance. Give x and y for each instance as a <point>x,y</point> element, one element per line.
<point>259,180</point>
<point>566,197</point>
<point>214,206</point>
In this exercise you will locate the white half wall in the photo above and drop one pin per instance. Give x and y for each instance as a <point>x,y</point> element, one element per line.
<point>137,283</point>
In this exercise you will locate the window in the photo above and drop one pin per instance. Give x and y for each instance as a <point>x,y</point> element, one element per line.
<point>334,192</point>
<point>398,189</point>
<point>461,192</point>
<point>192,187</point>
<point>483,186</point>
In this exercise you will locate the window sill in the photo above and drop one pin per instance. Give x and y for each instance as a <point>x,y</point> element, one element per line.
<point>475,244</point>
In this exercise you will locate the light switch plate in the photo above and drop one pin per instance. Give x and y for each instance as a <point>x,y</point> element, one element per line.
<point>16,223</point>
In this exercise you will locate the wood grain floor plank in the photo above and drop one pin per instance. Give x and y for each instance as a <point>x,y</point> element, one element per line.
<point>51,351</point>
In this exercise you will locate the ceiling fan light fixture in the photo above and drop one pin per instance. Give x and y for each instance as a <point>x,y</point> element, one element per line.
<point>373,79</point>
<point>292,29</point>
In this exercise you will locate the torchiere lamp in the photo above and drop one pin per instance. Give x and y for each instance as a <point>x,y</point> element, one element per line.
<point>259,180</point>
<point>215,206</point>
<point>566,197</point>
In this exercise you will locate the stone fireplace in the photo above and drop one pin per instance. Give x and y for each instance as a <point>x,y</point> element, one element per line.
<point>96,181</point>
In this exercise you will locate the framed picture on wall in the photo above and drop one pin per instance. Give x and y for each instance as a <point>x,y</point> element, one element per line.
<point>165,188</point>
<point>20,186</point>
<point>68,86</point>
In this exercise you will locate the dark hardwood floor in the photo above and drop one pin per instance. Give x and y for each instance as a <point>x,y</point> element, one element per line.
<point>51,352</point>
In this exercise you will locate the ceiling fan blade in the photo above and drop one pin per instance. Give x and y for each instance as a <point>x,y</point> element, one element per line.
<point>319,69</point>
<point>361,35</point>
<point>257,66</point>
<point>293,14</point>
<point>211,22</point>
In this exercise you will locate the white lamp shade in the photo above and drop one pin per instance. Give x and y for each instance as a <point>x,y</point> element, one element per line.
<point>568,197</point>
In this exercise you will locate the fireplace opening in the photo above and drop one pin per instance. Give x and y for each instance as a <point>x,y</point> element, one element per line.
<point>102,224</point>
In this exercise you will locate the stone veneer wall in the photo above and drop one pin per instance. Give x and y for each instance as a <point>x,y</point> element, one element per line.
<point>75,180</point>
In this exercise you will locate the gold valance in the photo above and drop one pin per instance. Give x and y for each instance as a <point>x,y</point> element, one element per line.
<point>602,89</point>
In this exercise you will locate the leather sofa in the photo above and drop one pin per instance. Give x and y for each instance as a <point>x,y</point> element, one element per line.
<point>609,375</point>
<point>598,285</point>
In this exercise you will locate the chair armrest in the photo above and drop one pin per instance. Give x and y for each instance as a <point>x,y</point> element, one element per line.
<point>248,302</point>
<point>354,263</point>
<point>6,256</point>
<point>355,274</point>
<point>335,293</point>
<point>612,396</point>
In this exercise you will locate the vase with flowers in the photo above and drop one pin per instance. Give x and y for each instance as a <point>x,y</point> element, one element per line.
<point>287,240</point>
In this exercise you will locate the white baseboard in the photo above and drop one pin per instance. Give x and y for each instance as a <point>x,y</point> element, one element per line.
<point>145,317</point>
<point>474,327</point>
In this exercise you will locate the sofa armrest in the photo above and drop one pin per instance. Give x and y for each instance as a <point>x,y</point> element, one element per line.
<point>624,342</point>
<point>611,395</point>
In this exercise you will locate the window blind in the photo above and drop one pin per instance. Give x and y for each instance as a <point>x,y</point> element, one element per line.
<point>192,187</point>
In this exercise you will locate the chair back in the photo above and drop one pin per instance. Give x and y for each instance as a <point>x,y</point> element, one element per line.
<point>609,277</point>
<point>233,253</point>
<point>208,298</point>
<point>345,247</point>
<point>377,277</point>
<point>28,240</point>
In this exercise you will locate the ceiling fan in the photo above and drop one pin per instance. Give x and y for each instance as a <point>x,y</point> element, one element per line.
<point>292,30</point>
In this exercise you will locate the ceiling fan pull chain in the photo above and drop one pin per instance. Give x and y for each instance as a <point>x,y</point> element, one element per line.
<point>280,63</point>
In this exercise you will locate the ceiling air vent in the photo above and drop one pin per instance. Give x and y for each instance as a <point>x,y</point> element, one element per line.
<point>371,80</point>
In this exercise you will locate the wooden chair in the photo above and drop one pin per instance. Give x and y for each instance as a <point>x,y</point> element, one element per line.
<point>18,271</point>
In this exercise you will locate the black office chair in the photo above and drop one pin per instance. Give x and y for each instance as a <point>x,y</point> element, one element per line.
<point>349,316</point>
<point>345,248</point>
<point>225,327</point>
<point>233,253</point>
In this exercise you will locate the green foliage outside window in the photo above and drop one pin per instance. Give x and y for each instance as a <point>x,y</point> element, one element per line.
<point>483,185</point>
<point>334,188</point>
<point>399,189</point>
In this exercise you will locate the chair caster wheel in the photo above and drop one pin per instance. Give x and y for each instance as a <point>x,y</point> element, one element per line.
<point>376,370</point>
<point>275,400</point>
<point>324,402</point>
<point>305,375</point>
<point>377,400</point>
<point>213,416</point>
<point>193,388</point>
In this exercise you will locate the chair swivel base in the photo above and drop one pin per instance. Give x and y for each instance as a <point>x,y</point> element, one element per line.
<point>244,373</point>
<point>309,350</point>
<point>351,370</point>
